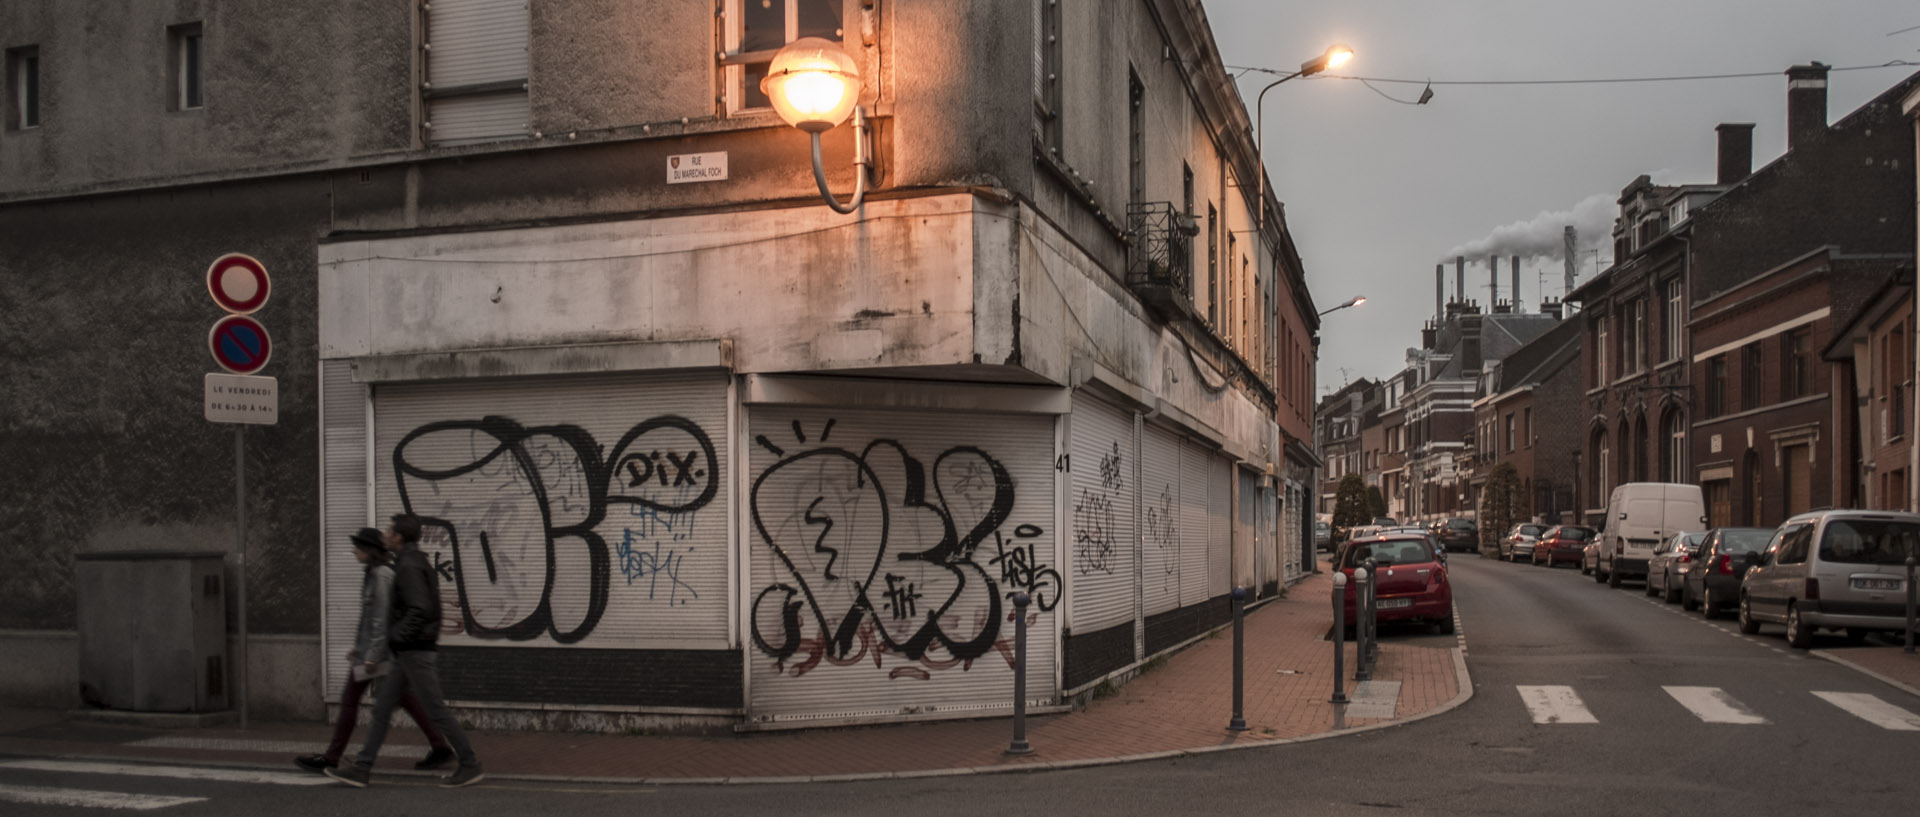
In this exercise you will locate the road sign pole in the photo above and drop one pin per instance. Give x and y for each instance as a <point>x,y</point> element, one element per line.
<point>240,564</point>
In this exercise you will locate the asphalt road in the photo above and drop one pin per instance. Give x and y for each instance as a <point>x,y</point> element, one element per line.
<point>1647,710</point>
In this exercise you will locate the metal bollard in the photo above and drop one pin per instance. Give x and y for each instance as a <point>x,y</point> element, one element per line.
<point>1020,745</point>
<point>1339,637</point>
<point>1239,723</point>
<point>1373,614</point>
<point>1360,672</point>
<point>1913,605</point>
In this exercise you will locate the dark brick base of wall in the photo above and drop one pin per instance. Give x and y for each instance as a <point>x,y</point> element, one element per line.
<point>1174,626</point>
<point>690,678</point>
<point>1091,655</point>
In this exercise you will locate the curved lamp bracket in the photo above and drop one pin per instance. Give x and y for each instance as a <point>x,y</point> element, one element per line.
<point>862,163</point>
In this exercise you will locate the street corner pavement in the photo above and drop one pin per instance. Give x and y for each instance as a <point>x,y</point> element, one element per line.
<point>1888,662</point>
<point>1181,705</point>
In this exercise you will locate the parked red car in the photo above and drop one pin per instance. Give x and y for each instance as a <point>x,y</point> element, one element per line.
<point>1412,580</point>
<point>1562,545</point>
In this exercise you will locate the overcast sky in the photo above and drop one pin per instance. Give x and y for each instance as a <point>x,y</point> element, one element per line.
<point>1377,192</point>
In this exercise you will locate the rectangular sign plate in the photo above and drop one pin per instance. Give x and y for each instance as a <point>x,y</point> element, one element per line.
<point>1388,604</point>
<point>697,167</point>
<point>239,398</point>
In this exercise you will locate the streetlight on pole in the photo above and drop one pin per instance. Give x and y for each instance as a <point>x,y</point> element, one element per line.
<point>1356,301</point>
<point>1335,56</point>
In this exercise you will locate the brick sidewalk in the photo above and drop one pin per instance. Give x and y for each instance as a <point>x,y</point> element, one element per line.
<point>1183,705</point>
<point>1893,665</point>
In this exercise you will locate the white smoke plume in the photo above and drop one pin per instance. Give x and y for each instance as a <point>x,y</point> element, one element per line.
<point>1541,236</point>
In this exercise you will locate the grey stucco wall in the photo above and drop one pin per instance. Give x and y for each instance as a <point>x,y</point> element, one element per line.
<point>104,316</point>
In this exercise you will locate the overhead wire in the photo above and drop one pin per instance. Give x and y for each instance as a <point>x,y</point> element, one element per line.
<point>1578,81</point>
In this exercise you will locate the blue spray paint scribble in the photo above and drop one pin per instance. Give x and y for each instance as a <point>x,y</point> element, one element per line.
<point>652,565</point>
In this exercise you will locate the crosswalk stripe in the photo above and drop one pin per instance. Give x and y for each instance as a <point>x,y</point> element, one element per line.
<point>1713,705</point>
<point>1871,709</point>
<point>179,772</point>
<point>48,796</point>
<point>1555,704</point>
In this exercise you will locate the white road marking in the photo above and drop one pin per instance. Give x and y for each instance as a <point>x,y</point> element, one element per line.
<point>178,772</point>
<point>1555,704</point>
<point>1713,705</point>
<point>1871,709</point>
<point>82,798</point>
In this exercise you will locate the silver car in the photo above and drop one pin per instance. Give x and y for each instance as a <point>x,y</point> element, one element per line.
<point>1842,570</point>
<point>1667,570</point>
<point>1519,542</point>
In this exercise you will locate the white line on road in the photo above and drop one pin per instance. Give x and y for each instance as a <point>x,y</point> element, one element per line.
<point>1713,705</point>
<point>81,798</point>
<point>1871,709</point>
<point>179,772</point>
<point>1555,704</point>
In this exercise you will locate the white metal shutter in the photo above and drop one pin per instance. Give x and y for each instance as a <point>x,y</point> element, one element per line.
<point>1220,522</point>
<point>583,510</point>
<point>477,42</point>
<point>1160,540</point>
<point>1101,510</point>
<point>884,548</point>
<point>1213,552</point>
<point>343,507</point>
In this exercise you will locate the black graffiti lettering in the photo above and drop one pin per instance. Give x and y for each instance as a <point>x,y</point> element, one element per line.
<point>683,468</point>
<point>1110,477</point>
<point>536,462</point>
<point>901,597</point>
<point>833,517</point>
<point>1022,570</point>
<point>443,566</point>
<point>1092,543</point>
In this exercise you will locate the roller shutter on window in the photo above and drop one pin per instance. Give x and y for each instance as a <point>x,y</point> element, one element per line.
<point>1101,510</point>
<point>476,70</point>
<point>1161,544</point>
<point>579,511</point>
<point>883,550</point>
<point>1246,527</point>
<point>1208,553</point>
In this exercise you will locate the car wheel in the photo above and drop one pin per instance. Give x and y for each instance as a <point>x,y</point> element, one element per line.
<point>1856,635</point>
<point>1710,608</point>
<point>1649,589</point>
<point>1446,624</point>
<point>1687,602</point>
<point>1613,579</point>
<point>1584,570</point>
<point>1598,577</point>
<point>1799,635</point>
<point>1748,625</point>
<point>1673,594</point>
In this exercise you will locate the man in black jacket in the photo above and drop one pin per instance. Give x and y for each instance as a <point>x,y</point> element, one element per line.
<point>414,637</point>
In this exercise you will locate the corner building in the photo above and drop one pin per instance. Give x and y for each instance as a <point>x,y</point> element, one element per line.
<point>693,449</point>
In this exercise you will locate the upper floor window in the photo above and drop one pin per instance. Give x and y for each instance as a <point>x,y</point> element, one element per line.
<point>475,83</point>
<point>23,87</point>
<point>1633,334</point>
<point>1750,367</point>
<point>756,29</point>
<point>1797,374</point>
<point>1675,321</point>
<point>1717,386</point>
<point>1602,374</point>
<point>183,69</point>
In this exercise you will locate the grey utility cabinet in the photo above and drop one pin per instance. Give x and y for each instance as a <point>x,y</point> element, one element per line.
<point>153,630</point>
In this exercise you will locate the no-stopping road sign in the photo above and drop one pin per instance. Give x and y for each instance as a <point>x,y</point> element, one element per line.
<point>239,344</point>
<point>238,283</point>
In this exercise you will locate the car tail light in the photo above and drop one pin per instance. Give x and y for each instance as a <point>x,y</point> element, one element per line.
<point>1686,558</point>
<point>1726,564</point>
<point>1812,591</point>
<point>1619,546</point>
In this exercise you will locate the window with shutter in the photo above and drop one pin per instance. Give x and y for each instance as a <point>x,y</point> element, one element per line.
<point>474,86</point>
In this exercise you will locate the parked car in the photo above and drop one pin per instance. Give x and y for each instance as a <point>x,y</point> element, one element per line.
<point>1832,569</point>
<point>1438,551</point>
<point>1322,535</point>
<point>1413,585</point>
<point>1641,515</point>
<point>1714,583</point>
<point>1458,533</point>
<point>1519,541</point>
<point>1384,521</point>
<point>1564,543</point>
<point>1672,560</point>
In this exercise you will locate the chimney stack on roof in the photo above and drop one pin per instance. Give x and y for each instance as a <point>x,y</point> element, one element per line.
<point>1460,278</point>
<point>1516,283</point>
<point>1736,151</point>
<point>1439,291</point>
<point>1806,102</point>
<point>1493,278</point>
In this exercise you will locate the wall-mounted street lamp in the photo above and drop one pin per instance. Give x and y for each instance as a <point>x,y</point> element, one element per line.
<point>1356,301</point>
<point>1335,56</point>
<point>814,85</point>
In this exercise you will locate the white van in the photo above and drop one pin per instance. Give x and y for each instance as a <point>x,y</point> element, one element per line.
<point>1641,515</point>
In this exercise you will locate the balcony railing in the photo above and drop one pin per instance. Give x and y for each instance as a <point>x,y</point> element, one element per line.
<point>1160,260</point>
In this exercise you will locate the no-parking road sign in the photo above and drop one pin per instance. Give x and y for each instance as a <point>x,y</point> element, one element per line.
<point>239,344</point>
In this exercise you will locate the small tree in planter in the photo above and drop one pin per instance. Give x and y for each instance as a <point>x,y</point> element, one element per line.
<point>1376,503</point>
<point>1498,501</point>
<point>1350,503</point>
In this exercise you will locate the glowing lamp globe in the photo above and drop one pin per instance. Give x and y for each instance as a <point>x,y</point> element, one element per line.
<point>813,84</point>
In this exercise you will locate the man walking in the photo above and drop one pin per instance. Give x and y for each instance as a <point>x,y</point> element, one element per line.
<point>369,660</point>
<point>414,637</point>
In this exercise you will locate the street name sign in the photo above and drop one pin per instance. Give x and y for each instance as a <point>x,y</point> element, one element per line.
<point>238,398</point>
<point>697,167</point>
